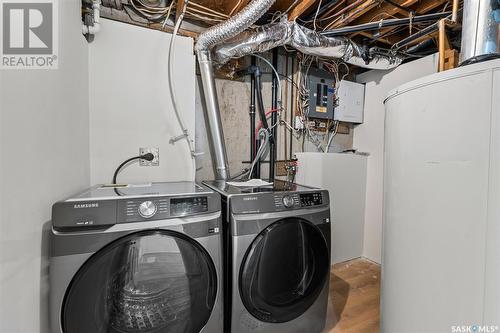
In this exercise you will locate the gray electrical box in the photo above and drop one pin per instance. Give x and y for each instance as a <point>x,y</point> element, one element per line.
<point>351,100</point>
<point>321,94</point>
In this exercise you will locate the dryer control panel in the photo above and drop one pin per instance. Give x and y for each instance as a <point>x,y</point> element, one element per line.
<point>187,206</point>
<point>268,202</point>
<point>311,199</point>
<point>134,210</point>
<point>296,200</point>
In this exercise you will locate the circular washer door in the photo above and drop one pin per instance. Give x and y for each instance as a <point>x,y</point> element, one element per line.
<point>284,270</point>
<point>150,281</point>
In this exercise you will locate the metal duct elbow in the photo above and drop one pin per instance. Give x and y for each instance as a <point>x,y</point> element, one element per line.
<point>236,24</point>
<point>480,31</point>
<point>304,40</point>
<point>206,41</point>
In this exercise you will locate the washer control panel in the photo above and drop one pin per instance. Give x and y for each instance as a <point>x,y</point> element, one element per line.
<point>157,208</point>
<point>286,201</point>
<point>311,199</point>
<point>147,209</point>
<point>296,200</point>
<point>134,210</point>
<point>187,206</point>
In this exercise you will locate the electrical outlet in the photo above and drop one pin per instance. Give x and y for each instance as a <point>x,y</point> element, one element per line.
<point>155,152</point>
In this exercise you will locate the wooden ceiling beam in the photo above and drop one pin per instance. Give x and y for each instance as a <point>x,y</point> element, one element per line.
<point>426,6</point>
<point>233,7</point>
<point>421,39</point>
<point>334,9</point>
<point>178,8</point>
<point>423,7</point>
<point>384,11</point>
<point>282,5</point>
<point>300,9</point>
<point>370,36</point>
<point>353,14</point>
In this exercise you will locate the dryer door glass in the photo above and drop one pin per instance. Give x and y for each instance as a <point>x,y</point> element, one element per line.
<point>150,281</point>
<point>284,270</point>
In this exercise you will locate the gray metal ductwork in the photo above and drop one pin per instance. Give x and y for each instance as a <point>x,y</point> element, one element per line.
<point>208,39</point>
<point>304,40</point>
<point>480,30</point>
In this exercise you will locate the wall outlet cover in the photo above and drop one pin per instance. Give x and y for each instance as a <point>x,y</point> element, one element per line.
<point>155,152</point>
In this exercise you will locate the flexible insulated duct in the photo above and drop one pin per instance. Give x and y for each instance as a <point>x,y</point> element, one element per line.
<point>304,40</point>
<point>206,41</point>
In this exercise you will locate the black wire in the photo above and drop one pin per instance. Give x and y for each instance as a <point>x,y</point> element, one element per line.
<point>284,77</point>
<point>147,157</point>
<point>122,165</point>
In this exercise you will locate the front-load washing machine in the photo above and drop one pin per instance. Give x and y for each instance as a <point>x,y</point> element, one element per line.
<point>277,250</point>
<point>137,259</point>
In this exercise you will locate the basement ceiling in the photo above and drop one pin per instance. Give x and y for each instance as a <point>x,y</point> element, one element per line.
<point>321,15</point>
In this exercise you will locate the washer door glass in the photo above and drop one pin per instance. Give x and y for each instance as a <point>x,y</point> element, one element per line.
<point>284,270</point>
<point>150,281</point>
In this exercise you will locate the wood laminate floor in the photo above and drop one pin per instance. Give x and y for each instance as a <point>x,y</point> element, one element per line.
<point>354,304</point>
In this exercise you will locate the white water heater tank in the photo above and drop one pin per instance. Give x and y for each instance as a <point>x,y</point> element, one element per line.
<point>441,242</point>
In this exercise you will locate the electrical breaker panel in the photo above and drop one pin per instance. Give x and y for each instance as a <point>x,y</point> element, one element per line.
<point>321,94</point>
<point>350,102</point>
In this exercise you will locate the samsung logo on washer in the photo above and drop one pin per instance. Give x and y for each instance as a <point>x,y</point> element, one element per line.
<point>87,205</point>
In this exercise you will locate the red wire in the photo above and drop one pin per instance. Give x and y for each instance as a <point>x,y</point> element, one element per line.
<point>259,126</point>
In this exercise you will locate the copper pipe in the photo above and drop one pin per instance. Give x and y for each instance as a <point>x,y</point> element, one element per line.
<point>333,9</point>
<point>454,15</point>
<point>442,42</point>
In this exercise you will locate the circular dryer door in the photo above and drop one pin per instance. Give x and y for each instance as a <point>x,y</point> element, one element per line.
<point>284,270</point>
<point>149,281</point>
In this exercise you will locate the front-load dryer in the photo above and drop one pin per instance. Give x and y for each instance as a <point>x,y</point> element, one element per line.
<point>277,250</point>
<point>138,259</point>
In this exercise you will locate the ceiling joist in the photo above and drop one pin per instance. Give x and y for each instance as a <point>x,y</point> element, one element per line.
<point>300,9</point>
<point>331,15</point>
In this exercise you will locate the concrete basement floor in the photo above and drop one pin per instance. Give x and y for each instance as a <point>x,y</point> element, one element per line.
<point>354,304</point>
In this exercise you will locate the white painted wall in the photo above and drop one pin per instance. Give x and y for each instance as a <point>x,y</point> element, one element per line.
<point>44,156</point>
<point>234,98</point>
<point>130,104</point>
<point>344,176</point>
<point>369,137</point>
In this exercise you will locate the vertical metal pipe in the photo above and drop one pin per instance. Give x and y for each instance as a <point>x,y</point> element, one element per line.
<point>252,114</point>
<point>480,31</point>
<point>206,40</point>
<point>216,134</point>
<point>274,119</point>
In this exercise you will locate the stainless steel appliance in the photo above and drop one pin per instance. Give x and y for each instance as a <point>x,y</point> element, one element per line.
<point>277,257</point>
<point>137,259</point>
